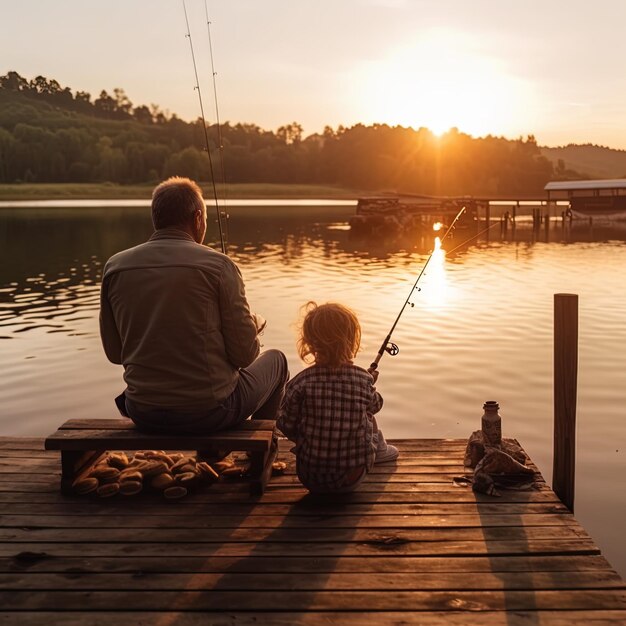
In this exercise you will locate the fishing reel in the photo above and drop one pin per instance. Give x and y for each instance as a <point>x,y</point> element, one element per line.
<point>392,349</point>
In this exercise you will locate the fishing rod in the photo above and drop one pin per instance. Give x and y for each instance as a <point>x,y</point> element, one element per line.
<point>206,136</point>
<point>220,143</point>
<point>387,345</point>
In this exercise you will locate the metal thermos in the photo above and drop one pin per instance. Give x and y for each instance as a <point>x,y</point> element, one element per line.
<point>491,423</point>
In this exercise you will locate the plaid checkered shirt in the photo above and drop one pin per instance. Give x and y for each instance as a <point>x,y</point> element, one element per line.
<point>327,412</point>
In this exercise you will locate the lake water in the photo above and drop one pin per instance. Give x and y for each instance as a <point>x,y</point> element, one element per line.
<point>481,327</point>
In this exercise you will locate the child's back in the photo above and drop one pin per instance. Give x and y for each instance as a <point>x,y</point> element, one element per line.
<point>328,413</point>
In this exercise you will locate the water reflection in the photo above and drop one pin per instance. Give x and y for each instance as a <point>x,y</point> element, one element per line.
<point>437,294</point>
<point>51,259</point>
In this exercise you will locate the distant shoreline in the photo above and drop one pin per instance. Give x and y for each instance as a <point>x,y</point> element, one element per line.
<point>110,191</point>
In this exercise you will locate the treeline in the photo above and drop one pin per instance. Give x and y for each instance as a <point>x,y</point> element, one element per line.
<point>50,134</point>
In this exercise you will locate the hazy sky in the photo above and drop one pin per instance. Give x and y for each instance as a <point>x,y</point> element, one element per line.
<point>554,68</point>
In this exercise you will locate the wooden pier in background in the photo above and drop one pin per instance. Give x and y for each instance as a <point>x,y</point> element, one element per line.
<point>410,547</point>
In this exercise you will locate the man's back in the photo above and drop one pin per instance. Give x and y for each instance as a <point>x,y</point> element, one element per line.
<point>174,313</point>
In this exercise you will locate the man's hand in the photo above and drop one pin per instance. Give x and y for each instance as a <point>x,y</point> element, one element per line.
<point>260,322</point>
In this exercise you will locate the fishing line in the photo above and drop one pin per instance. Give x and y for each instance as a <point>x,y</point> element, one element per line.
<point>478,234</point>
<point>217,109</point>
<point>392,348</point>
<point>206,136</point>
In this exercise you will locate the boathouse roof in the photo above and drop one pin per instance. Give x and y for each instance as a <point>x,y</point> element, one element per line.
<point>573,185</point>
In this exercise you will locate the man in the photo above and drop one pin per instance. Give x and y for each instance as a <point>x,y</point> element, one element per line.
<point>175,315</point>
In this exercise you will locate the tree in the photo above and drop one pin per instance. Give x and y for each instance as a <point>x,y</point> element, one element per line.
<point>142,114</point>
<point>158,116</point>
<point>122,104</point>
<point>14,82</point>
<point>39,85</point>
<point>290,133</point>
<point>105,104</point>
<point>53,87</point>
<point>7,148</point>
<point>189,162</point>
<point>82,102</point>
<point>83,96</point>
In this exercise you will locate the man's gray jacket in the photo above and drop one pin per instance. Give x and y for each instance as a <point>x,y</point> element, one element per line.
<point>174,313</point>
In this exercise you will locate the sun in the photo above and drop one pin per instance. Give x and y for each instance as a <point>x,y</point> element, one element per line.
<point>440,81</point>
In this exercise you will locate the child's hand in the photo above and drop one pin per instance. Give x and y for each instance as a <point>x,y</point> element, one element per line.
<point>373,373</point>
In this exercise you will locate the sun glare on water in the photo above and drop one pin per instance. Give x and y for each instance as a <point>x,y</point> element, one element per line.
<point>440,81</point>
<point>435,293</point>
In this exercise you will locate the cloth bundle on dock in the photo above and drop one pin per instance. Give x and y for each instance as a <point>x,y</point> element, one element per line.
<point>503,465</point>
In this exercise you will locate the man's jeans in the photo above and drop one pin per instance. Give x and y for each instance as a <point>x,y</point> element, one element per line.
<point>258,393</point>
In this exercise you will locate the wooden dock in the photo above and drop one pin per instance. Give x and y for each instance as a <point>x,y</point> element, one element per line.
<point>409,548</point>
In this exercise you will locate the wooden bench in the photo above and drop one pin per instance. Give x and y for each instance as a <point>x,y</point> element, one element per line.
<point>83,441</point>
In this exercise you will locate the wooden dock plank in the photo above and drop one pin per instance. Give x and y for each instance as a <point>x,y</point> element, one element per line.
<point>140,564</point>
<point>319,581</point>
<point>281,534</point>
<point>151,507</point>
<point>122,423</point>
<point>402,494</point>
<point>43,466</point>
<point>364,520</point>
<point>119,439</point>
<point>302,618</point>
<point>372,548</point>
<point>225,600</point>
<point>410,547</point>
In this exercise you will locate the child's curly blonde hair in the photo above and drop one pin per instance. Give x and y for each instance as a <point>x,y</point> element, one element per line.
<point>330,334</point>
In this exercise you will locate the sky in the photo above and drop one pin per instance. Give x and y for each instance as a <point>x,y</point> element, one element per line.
<point>551,68</point>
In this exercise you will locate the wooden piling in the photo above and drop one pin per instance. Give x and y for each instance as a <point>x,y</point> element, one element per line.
<point>565,390</point>
<point>487,220</point>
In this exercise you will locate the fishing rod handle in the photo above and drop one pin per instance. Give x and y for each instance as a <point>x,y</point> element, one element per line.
<point>374,364</point>
<point>379,356</point>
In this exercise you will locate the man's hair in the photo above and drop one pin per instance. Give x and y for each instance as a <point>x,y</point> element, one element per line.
<point>175,201</point>
<point>330,333</point>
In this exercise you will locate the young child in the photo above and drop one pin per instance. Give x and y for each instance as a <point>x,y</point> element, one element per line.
<point>328,409</point>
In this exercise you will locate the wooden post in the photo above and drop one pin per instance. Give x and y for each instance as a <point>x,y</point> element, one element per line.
<point>487,220</point>
<point>565,388</point>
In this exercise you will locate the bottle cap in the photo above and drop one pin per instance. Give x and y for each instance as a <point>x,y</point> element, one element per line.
<point>491,405</point>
